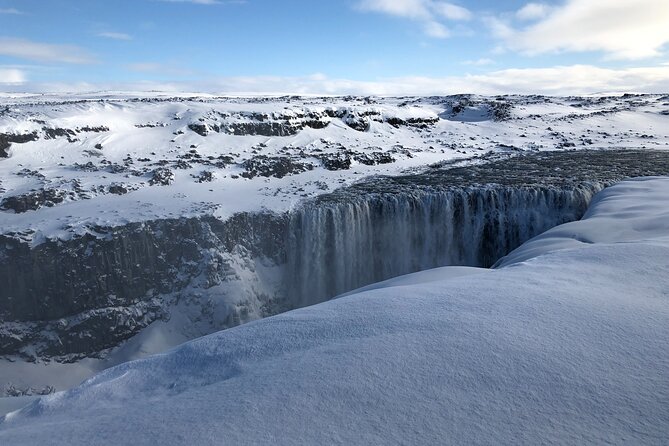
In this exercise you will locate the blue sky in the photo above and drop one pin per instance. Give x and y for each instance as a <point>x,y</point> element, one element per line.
<point>335,46</point>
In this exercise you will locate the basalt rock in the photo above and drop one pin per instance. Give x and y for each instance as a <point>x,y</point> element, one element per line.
<point>162,177</point>
<point>6,140</point>
<point>273,166</point>
<point>33,200</point>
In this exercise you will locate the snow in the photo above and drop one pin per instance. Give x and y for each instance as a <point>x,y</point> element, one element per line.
<point>567,343</point>
<point>10,404</point>
<point>155,128</point>
<point>611,218</point>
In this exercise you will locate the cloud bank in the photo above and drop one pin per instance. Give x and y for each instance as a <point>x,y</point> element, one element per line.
<point>561,80</point>
<point>621,29</point>
<point>44,52</point>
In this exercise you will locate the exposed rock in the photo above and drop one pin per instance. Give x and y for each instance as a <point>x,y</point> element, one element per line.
<point>118,189</point>
<point>33,200</point>
<point>273,166</point>
<point>181,164</point>
<point>30,173</point>
<point>374,158</point>
<point>356,122</point>
<point>93,129</point>
<point>336,161</point>
<point>6,140</point>
<point>53,133</point>
<point>161,176</point>
<point>421,123</point>
<point>501,110</point>
<point>205,176</point>
<point>264,128</point>
<point>468,108</point>
<point>69,299</point>
<point>200,129</point>
<point>88,167</point>
<point>11,390</point>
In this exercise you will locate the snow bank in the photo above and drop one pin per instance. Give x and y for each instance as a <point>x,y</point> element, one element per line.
<point>632,212</point>
<point>567,346</point>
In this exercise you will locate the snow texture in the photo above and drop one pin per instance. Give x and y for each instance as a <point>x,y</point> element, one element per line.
<point>69,164</point>
<point>566,343</point>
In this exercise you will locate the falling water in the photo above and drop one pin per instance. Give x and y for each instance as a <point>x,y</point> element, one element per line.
<point>339,245</point>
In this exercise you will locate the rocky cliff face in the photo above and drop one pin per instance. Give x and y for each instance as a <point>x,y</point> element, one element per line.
<point>81,296</point>
<point>66,299</point>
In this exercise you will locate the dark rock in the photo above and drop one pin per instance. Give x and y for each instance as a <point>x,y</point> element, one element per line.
<point>272,128</point>
<point>53,133</point>
<point>356,122</point>
<point>374,158</point>
<point>501,110</point>
<point>88,167</point>
<point>75,298</point>
<point>98,129</point>
<point>6,140</point>
<point>200,129</point>
<point>117,189</point>
<point>336,161</point>
<point>274,166</point>
<point>116,168</point>
<point>33,200</point>
<point>162,176</point>
<point>181,164</point>
<point>205,176</point>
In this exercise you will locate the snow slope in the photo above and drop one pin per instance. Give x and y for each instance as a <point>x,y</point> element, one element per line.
<point>82,161</point>
<point>568,344</point>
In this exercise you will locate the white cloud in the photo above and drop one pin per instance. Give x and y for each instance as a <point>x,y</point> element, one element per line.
<point>412,9</point>
<point>576,79</point>
<point>43,52</point>
<point>11,76</point>
<point>622,29</point>
<point>498,27</point>
<point>450,11</point>
<point>165,69</point>
<point>13,11</point>
<point>479,62</point>
<point>431,13</point>
<point>561,80</point>
<point>533,11</point>
<point>436,30</point>
<point>115,36</point>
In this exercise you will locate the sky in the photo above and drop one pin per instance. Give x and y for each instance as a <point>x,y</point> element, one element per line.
<point>377,47</point>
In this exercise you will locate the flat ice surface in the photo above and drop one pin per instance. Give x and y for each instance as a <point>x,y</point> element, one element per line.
<point>569,344</point>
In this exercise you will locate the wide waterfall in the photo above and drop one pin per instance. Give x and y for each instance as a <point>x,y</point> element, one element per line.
<point>340,245</point>
<point>68,299</point>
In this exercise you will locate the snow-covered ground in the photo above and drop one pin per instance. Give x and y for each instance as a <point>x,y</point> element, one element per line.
<point>565,343</point>
<point>76,162</point>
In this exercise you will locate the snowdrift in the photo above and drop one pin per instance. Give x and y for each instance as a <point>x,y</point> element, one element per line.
<point>566,342</point>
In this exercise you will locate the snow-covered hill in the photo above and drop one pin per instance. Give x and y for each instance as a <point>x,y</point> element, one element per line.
<point>566,343</point>
<point>76,162</point>
<point>130,224</point>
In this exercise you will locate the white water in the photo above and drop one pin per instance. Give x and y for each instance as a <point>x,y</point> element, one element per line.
<point>341,245</point>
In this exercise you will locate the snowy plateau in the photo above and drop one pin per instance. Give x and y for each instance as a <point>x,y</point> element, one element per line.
<point>347,270</point>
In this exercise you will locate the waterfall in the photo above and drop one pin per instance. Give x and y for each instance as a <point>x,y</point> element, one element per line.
<point>341,244</point>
